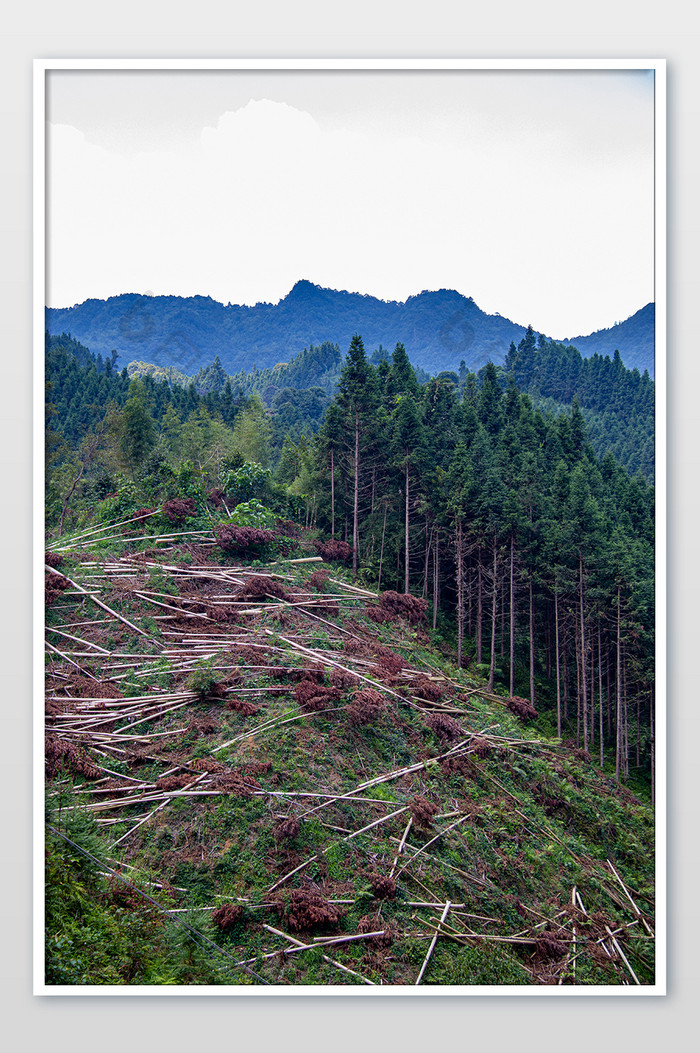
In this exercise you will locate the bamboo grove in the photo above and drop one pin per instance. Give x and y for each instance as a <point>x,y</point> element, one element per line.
<point>539,553</point>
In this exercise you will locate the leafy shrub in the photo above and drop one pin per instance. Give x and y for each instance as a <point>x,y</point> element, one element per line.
<point>253,514</point>
<point>249,481</point>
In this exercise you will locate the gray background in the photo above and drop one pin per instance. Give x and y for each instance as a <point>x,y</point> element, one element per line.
<point>211,28</point>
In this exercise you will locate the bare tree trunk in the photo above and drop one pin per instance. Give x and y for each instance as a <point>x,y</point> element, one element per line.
<point>356,499</point>
<point>426,561</point>
<point>618,730</point>
<point>460,594</point>
<point>532,647</point>
<point>492,667</point>
<point>436,579</point>
<point>577,648</point>
<point>406,558</point>
<point>556,648</point>
<point>332,493</point>
<point>600,696</point>
<point>478,609</point>
<point>583,654</point>
<point>381,551</point>
<point>512,619</point>
<point>652,744</point>
<point>592,710</point>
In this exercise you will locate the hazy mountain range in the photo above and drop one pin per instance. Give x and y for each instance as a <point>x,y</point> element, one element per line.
<point>439,329</point>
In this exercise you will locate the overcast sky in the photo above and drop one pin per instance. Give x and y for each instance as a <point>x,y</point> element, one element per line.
<point>532,192</point>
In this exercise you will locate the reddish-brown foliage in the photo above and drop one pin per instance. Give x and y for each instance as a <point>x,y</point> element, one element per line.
<point>80,685</point>
<point>426,689</point>
<point>173,782</point>
<point>481,747</point>
<point>366,706</point>
<point>53,559</point>
<point>341,679</point>
<point>318,580</point>
<point>287,829</point>
<point>227,916</point>
<point>262,587</point>
<point>390,663</point>
<point>143,512</point>
<point>374,923</point>
<point>256,767</point>
<point>179,508</point>
<point>206,764</point>
<point>54,584</point>
<point>313,698</point>
<point>383,886</point>
<point>522,708</point>
<point>378,615</point>
<point>334,551</point>
<point>240,538</point>
<point>236,784</point>
<point>549,948</point>
<point>64,757</point>
<point>422,811</point>
<point>308,909</point>
<point>215,496</point>
<point>446,729</point>
<point>402,605</point>
<point>242,706</point>
<point>203,725</point>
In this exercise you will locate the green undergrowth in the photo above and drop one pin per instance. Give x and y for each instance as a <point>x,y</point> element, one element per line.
<point>518,827</point>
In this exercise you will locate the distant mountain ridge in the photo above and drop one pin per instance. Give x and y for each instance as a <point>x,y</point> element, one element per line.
<point>633,338</point>
<point>439,329</point>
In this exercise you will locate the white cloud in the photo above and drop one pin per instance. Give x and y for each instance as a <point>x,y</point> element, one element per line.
<point>542,218</point>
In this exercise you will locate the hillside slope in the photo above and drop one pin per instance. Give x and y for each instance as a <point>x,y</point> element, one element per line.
<point>261,773</point>
<point>633,338</point>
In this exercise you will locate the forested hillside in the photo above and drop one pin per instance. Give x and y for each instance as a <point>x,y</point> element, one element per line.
<point>439,329</point>
<point>550,547</point>
<point>350,685</point>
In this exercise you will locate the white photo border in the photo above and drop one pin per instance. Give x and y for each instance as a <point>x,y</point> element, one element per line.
<point>42,67</point>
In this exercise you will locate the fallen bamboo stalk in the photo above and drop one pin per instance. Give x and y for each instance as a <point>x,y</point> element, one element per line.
<point>432,943</point>
<point>620,951</point>
<point>635,908</point>
<point>298,946</point>
<point>442,833</point>
<point>154,812</point>
<point>109,526</point>
<point>68,659</point>
<point>401,844</point>
<point>104,607</point>
<point>76,639</point>
<point>356,833</point>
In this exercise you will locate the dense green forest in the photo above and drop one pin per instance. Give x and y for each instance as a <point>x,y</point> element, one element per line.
<point>535,553</point>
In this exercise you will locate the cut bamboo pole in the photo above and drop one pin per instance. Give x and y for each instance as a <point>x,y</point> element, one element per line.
<point>154,812</point>
<point>432,943</point>
<point>635,908</point>
<point>620,951</point>
<point>356,833</point>
<point>298,945</point>
<point>66,657</point>
<point>401,844</point>
<point>109,610</point>
<point>442,833</point>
